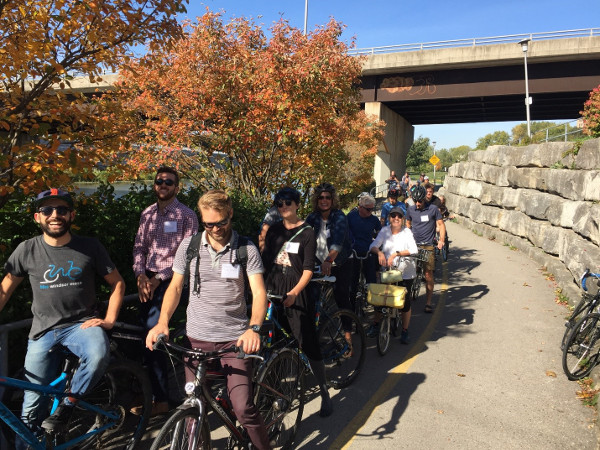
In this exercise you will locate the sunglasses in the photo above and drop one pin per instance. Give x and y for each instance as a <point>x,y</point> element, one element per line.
<point>324,197</point>
<point>60,210</point>
<point>211,225</point>
<point>396,215</point>
<point>160,181</point>
<point>281,202</point>
<point>368,209</point>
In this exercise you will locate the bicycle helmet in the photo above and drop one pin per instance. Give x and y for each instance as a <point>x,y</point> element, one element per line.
<point>418,194</point>
<point>325,187</point>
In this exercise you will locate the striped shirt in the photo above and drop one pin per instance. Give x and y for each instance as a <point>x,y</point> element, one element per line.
<point>159,236</point>
<point>217,313</point>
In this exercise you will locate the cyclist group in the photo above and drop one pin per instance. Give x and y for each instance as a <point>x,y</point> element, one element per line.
<point>221,268</point>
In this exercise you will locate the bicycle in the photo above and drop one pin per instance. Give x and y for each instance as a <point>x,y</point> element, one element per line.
<point>445,248</point>
<point>188,428</point>
<point>101,416</point>
<point>389,325</point>
<point>421,258</point>
<point>588,304</point>
<point>582,350</point>
<point>343,358</point>
<point>360,298</point>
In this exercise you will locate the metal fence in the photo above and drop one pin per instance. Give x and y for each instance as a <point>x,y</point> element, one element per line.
<point>473,42</point>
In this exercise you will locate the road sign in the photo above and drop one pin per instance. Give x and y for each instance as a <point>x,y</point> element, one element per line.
<point>434,160</point>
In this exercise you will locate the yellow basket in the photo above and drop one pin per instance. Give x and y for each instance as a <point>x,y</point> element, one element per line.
<point>386,295</point>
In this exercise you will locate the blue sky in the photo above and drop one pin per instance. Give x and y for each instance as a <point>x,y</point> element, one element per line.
<point>375,23</point>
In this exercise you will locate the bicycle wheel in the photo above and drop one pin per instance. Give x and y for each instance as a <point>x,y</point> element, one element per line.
<point>184,430</point>
<point>396,323</point>
<point>279,396</point>
<point>384,338</point>
<point>445,250</point>
<point>585,306</point>
<point>582,350</point>
<point>12,398</point>
<point>416,286</point>
<point>123,386</point>
<point>343,360</point>
<point>361,299</point>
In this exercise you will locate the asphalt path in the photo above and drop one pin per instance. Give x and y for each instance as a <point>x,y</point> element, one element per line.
<point>483,372</point>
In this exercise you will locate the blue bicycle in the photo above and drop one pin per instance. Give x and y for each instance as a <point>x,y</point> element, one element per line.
<point>101,418</point>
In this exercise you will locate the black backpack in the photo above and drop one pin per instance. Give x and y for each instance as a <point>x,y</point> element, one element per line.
<point>241,256</point>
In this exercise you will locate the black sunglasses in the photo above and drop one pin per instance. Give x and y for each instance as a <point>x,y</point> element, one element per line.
<point>160,181</point>
<point>60,210</point>
<point>281,202</point>
<point>324,197</point>
<point>368,209</point>
<point>395,215</point>
<point>211,225</point>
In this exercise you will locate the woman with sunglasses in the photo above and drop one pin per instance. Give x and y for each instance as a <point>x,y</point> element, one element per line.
<point>393,246</point>
<point>334,245</point>
<point>289,258</point>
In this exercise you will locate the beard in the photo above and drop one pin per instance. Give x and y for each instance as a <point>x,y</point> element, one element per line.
<point>164,196</point>
<point>56,232</point>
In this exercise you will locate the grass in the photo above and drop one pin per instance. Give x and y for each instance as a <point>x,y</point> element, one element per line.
<point>588,394</point>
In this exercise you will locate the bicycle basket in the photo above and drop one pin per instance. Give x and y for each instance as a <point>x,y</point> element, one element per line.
<point>386,295</point>
<point>391,276</point>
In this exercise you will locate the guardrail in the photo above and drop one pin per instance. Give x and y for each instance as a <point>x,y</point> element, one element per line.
<point>472,42</point>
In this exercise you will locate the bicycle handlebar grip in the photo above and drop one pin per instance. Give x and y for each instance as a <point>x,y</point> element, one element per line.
<point>159,340</point>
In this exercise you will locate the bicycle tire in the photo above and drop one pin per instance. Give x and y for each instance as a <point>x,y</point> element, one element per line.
<point>123,385</point>
<point>341,367</point>
<point>586,305</point>
<point>13,399</point>
<point>416,286</point>
<point>179,432</point>
<point>360,300</point>
<point>445,250</point>
<point>384,338</point>
<point>582,351</point>
<point>396,323</point>
<point>279,396</point>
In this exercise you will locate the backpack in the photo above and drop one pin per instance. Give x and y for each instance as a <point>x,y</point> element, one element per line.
<point>241,257</point>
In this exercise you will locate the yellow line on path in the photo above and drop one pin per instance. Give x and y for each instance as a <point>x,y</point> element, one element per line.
<point>346,437</point>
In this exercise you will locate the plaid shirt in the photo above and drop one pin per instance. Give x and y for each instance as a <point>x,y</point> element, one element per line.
<point>155,244</point>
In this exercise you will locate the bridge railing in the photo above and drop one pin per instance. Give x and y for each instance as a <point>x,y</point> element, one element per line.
<point>472,42</point>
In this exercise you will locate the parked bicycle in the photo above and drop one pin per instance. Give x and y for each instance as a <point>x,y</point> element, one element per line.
<point>588,304</point>
<point>343,357</point>
<point>420,261</point>
<point>361,307</point>
<point>102,416</point>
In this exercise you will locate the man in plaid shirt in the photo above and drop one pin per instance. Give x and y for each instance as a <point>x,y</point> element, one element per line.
<point>163,225</point>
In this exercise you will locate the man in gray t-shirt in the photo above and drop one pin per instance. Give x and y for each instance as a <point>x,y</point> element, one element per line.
<point>216,312</point>
<point>62,268</point>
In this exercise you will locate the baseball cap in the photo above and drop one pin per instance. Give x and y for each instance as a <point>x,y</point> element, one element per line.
<point>53,193</point>
<point>426,178</point>
<point>397,210</point>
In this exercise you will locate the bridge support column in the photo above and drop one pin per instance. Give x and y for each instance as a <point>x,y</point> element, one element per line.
<point>399,136</point>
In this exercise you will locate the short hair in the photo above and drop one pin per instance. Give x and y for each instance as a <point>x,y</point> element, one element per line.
<point>287,193</point>
<point>429,186</point>
<point>216,199</point>
<point>165,169</point>
<point>365,200</point>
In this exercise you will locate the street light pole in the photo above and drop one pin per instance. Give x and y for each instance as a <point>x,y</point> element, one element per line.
<point>305,15</point>
<point>433,145</point>
<point>524,43</point>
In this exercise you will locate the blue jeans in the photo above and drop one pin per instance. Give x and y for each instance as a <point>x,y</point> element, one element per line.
<point>90,345</point>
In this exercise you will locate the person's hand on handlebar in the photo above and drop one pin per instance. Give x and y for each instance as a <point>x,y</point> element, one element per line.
<point>381,258</point>
<point>249,341</point>
<point>153,334</point>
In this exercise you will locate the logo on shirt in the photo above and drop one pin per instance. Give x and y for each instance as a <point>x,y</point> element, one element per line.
<point>54,273</point>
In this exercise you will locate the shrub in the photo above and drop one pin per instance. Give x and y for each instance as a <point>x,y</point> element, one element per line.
<point>591,114</point>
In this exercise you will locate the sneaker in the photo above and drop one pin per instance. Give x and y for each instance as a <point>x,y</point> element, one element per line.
<point>373,331</point>
<point>60,419</point>
<point>404,337</point>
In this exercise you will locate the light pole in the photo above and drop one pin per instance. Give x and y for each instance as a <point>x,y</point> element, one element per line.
<point>305,15</point>
<point>524,43</point>
<point>433,145</point>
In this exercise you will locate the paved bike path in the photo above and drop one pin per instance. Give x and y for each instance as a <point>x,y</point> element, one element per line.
<point>484,371</point>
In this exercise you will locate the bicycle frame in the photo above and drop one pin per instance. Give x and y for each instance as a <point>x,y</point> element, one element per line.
<point>56,390</point>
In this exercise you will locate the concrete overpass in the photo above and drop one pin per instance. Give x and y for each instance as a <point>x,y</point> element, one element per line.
<point>475,83</point>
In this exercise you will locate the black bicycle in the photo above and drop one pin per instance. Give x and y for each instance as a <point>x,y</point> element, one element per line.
<point>588,304</point>
<point>361,307</point>
<point>421,259</point>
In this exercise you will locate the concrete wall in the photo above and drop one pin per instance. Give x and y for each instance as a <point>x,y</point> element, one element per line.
<point>399,135</point>
<point>543,199</point>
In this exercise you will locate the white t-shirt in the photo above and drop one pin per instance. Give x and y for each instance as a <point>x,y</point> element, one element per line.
<point>390,243</point>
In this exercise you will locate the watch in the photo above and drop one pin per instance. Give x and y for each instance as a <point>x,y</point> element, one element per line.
<point>157,276</point>
<point>255,328</point>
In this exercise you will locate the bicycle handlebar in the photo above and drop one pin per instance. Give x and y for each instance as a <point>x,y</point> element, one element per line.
<point>586,274</point>
<point>199,354</point>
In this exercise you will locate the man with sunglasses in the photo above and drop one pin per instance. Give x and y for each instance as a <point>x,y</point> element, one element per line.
<point>364,226</point>
<point>216,310</point>
<point>423,218</point>
<point>163,225</point>
<point>62,268</point>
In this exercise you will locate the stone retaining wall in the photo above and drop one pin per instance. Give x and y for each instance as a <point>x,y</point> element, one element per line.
<point>544,199</point>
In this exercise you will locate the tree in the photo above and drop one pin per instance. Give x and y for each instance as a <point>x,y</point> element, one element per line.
<point>418,155</point>
<point>233,108</point>
<point>43,46</point>
<point>495,138</point>
<point>591,114</point>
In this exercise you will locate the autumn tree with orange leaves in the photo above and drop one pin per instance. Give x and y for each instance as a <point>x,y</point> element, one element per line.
<point>44,45</point>
<point>234,108</point>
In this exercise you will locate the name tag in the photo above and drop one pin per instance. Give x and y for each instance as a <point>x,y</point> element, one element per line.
<point>292,247</point>
<point>230,271</point>
<point>170,226</point>
<point>424,218</point>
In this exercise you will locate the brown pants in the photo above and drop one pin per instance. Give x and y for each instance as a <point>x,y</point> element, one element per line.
<point>238,373</point>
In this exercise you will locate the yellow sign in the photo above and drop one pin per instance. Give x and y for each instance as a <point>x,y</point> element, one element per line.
<point>434,160</point>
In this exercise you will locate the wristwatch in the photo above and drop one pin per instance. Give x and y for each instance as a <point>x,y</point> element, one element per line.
<point>255,328</point>
<point>157,276</point>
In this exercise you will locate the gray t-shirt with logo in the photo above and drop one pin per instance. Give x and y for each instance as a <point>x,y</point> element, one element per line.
<point>62,279</point>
